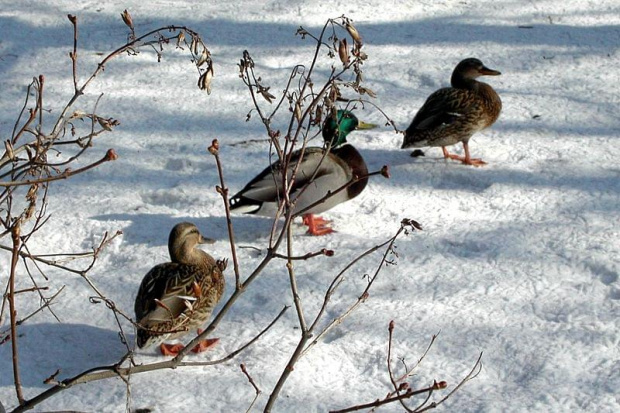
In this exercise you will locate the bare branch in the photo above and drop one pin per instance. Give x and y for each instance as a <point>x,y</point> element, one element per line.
<point>223,191</point>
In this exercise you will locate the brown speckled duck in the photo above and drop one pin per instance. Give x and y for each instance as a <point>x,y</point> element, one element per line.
<point>453,114</point>
<point>179,296</point>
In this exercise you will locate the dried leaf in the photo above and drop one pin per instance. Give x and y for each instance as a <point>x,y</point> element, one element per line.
<point>266,95</point>
<point>52,379</point>
<point>367,91</point>
<point>105,124</point>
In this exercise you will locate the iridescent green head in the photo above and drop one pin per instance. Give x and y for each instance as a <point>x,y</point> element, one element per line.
<point>336,130</point>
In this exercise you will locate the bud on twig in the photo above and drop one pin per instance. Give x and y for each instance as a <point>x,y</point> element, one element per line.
<point>215,147</point>
<point>72,18</point>
<point>111,155</point>
<point>440,385</point>
<point>385,171</point>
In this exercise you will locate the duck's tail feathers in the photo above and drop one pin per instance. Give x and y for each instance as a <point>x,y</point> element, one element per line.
<point>243,205</point>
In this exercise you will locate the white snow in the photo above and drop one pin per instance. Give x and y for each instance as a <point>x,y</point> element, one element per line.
<point>518,259</point>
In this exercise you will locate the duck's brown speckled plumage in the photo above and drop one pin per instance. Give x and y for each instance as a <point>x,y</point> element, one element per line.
<point>453,114</point>
<point>179,296</point>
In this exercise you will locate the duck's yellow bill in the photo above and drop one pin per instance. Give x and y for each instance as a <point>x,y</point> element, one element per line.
<point>364,125</point>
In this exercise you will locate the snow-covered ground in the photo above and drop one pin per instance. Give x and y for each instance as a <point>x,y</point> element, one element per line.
<point>518,259</point>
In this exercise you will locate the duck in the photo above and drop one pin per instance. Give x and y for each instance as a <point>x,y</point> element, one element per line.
<point>321,171</point>
<point>453,114</point>
<point>177,297</point>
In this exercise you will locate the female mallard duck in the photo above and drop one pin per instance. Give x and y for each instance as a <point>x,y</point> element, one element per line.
<point>319,174</point>
<point>453,114</point>
<point>180,295</point>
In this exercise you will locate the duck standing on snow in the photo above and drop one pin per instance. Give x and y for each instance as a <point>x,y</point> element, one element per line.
<point>180,295</point>
<point>319,173</point>
<point>453,114</point>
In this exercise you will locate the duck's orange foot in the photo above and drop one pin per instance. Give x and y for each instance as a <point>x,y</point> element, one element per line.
<point>317,225</point>
<point>464,159</point>
<point>170,349</point>
<point>174,349</point>
<point>205,345</point>
<point>474,162</point>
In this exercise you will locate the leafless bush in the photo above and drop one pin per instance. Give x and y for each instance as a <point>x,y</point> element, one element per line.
<point>35,157</point>
<point>27,171</point>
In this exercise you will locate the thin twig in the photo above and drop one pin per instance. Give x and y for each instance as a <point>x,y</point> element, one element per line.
<point>408,394</point>
<point>256,389</point>
<point>223,191</point>
<point>13,312</point>
<point>109,156</point>
<point>323,251</point>
<point>406,225</point>
<point>476,369</point>
<point>397,387</point>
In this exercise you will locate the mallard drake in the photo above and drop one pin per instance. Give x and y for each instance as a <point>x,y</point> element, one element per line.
<point>179,296</point>
<point>319,173</point>
<point>453,114</point>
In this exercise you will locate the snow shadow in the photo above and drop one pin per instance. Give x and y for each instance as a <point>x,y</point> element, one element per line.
<point>43,349</point>
<point>98,28</point>
<point>154,229</point>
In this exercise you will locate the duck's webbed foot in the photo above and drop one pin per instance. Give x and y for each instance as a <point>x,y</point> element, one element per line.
<point>317,225</point>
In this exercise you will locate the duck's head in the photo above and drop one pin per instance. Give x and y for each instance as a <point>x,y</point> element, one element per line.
<point>471,68</point>
<point>183,238</point>
<point>336,130</point>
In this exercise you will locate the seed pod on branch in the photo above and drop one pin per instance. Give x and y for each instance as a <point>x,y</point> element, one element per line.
<point>354,33</point>
<point>204,57</point>
<point>127,19</point>
<point>204,82</point>
<point>343,51</point>
<point>193,46</point>
<point>180,38</point>
<point>298,111</point>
